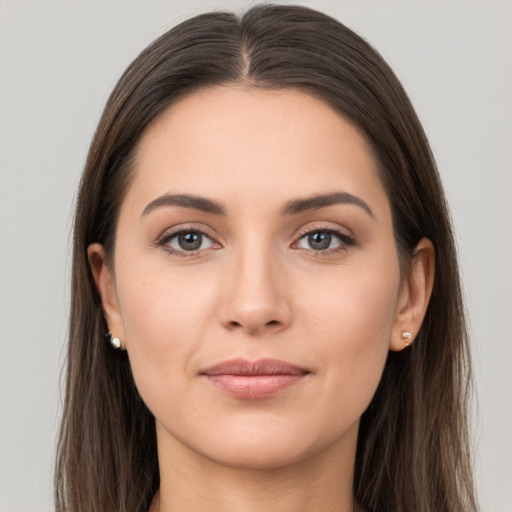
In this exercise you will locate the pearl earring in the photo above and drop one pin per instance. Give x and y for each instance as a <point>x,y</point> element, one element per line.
<point>115,343</point>
<point>407,337</point>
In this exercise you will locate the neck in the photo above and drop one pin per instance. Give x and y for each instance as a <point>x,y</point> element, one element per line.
<point>190,482</point>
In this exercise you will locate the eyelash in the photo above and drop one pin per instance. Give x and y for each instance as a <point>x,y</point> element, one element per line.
<point>164,241</point>
<point>346,241</point>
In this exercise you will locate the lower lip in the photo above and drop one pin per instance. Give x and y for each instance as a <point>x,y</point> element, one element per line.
<point>254,386</point>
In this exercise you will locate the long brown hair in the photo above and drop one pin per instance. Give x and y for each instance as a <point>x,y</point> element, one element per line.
<point>412,452</point>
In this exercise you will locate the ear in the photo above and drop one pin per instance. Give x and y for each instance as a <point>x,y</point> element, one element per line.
<point>414,296</point>
<point>105,284</point>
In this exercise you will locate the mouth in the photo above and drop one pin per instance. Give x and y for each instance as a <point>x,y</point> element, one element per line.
<point>254,379</point>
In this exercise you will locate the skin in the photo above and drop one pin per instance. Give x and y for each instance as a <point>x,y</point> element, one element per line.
<point>257,288</point>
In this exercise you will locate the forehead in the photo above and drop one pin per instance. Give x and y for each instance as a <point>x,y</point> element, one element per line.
<point>247,143</point>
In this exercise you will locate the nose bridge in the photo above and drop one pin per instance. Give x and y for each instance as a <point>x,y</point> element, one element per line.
<point>254,297</point>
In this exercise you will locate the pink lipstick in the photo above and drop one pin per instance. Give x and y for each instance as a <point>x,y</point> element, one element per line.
<point>254,379</point>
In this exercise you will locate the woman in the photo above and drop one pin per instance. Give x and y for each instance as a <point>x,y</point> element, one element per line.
<point>266,309</point>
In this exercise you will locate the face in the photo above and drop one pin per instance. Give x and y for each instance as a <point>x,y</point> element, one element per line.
<point>256,228</point>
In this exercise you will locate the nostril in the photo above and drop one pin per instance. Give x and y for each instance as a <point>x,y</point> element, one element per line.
<point>237,325</point>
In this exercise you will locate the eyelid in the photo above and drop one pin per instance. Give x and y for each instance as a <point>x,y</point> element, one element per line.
<point>168,234</point>
<point>172,239</point>
<point>324,226</point>
<point>346,239</point>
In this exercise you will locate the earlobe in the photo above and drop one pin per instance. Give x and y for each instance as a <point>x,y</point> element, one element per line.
<point>105,284</point>
<point>414,296</point>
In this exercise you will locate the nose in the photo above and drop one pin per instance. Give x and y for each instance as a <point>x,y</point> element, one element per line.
<point>254,296</point>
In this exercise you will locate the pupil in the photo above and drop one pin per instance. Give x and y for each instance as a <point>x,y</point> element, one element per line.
<point>190,241</point>
<point>319,241</point>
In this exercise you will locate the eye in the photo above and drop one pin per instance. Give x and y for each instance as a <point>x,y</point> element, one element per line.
<point>324,239</point>
<point>186,241</point>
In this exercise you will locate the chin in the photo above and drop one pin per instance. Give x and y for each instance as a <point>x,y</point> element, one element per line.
<point>263,449</point>
<point>258,457</point>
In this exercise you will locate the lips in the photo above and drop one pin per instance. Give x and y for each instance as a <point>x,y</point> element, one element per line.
<point>254,379</point>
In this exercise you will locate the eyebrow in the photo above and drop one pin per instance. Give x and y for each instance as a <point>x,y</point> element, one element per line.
<point>323,200</point>
<point>294,206</point>
<point>185,201</point>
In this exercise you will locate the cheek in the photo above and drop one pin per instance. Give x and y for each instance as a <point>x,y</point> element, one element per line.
<point>164,318</point>
<point>349,320</point>
<point>357,300</point>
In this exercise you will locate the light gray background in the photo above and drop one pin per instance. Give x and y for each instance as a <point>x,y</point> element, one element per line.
<point>59,61</point>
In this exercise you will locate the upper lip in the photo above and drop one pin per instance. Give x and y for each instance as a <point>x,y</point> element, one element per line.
<point>259,367</point>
